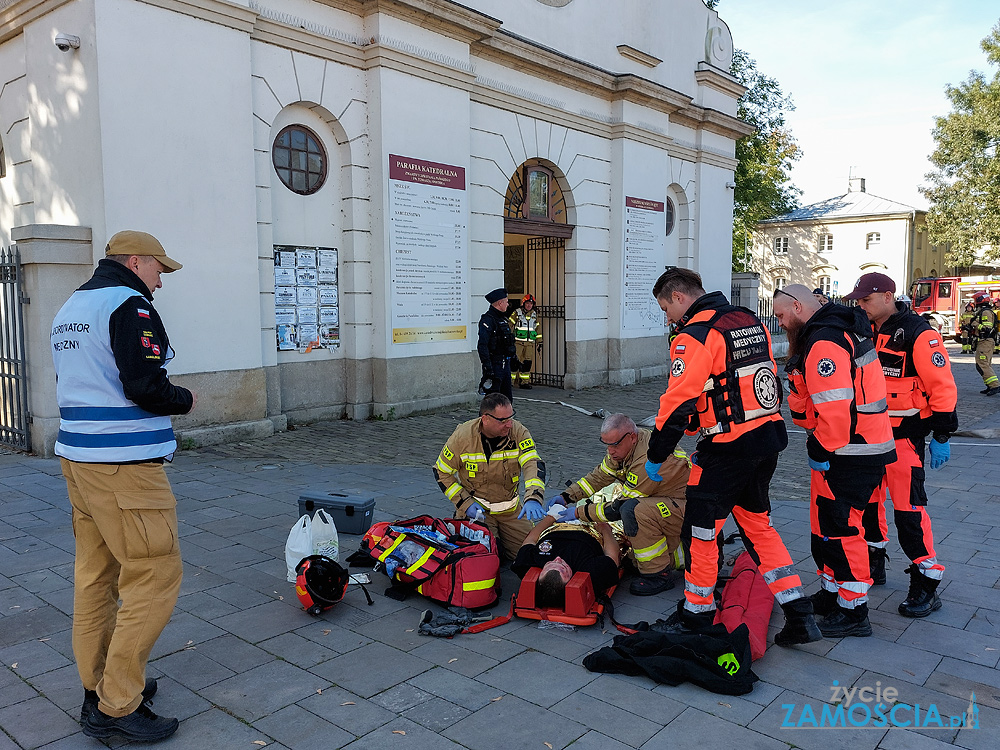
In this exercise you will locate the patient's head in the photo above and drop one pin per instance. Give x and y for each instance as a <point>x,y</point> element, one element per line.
<point>550,590</point>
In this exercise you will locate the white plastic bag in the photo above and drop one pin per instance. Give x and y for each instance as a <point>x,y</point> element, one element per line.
<point>299,545</point>
<point>324,536</point>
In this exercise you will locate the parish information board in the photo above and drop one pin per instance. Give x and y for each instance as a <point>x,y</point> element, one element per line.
<point>644,255</point>
<point>428,251</point>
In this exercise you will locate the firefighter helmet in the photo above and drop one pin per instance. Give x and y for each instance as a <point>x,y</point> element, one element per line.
<point>320,583</point>
<point>981,298</point>
<point>528,298</point>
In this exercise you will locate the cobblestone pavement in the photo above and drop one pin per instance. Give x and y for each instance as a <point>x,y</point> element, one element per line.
<point>242,665</point>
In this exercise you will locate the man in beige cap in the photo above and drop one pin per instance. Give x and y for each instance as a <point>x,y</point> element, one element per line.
<point>115,400</point>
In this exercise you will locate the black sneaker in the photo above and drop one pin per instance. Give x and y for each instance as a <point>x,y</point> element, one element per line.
<point>652,583</point>
<point>844,622</point>
<point>993,391</point>
<point>90,699</point>
<point>142,725</point>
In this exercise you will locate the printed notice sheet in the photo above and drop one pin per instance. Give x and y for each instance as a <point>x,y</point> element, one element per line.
<point>644,256</point>
<point>306,312</point>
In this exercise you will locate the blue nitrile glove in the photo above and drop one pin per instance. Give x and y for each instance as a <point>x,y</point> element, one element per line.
<point>555,500</point>
<point>532,510</point>
<point>475,512</point>
<point>568,514</point>
<point>940,453</point>
<point>819,465</point>
<point>652,469</point>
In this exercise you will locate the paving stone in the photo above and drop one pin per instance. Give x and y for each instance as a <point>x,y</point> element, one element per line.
<point>893,659</point>
<point>184,631</point>
<point>455,688</point>
<point>193,669</point>
<point>961,687</point>
<point>348,711</point>
<point>32,658</point>
<point>297,650</point>
<point>261,691</point>
<point>264,621</point>
<point>31,625</point>
<point>448,654</point>
<point>524,725</point>
<point>786,720</point>
<point>214,728</point>
<point>984,622</point>
<point>401,698</point>
<point>983,736</point>
<point>630,727</point>
<point>555,645</point>
<point>898,738</point>
<point>946,641</point>
<point>371,669</point>
<point>597,741</point>
<point>176,700</point>
<point>436,714</point>
<point>736,709</point>
<point>298,729</point>
<point>36,722</point>
<point>398,630</point>
<point>402,733</point>
<point>234,653</point>
<point>203,605</point>
<point>545,678</point>
<point>333,637</point>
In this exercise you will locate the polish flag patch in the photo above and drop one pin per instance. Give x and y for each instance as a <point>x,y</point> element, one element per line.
<point>680,348</point>
<point>143,313</point>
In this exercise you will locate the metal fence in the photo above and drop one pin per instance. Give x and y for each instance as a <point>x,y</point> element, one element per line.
<point>14,416</point>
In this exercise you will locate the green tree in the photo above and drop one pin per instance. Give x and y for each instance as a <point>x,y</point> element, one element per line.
<point>764,159</point>
<point>964,190</point>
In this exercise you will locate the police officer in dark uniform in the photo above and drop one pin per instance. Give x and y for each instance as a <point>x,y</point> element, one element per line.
<point>496,345</point>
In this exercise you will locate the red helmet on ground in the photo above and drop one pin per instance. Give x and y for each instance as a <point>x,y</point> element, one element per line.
<point>320,583</point>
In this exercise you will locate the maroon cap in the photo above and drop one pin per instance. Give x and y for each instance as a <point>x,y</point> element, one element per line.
<point>871,283</point>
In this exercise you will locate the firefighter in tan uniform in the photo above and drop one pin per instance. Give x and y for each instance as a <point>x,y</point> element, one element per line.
<point>480,467</point>
<point>651,512</point>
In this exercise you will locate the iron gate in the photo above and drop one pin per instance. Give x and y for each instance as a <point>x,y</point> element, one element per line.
<point>14,417</point>
<point>545,268</point>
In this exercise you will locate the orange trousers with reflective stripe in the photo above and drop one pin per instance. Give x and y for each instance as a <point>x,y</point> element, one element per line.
<point>838,499</point>
<point>905,481</point>
<point>718,486</point>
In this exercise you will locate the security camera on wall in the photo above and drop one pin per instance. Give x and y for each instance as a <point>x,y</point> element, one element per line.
<point>66,42</point>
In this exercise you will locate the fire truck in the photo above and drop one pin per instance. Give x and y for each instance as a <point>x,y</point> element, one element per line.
<point>940,300</point>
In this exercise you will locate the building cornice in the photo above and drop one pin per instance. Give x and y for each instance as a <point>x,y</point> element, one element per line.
<point>18,14</point>
<point>713,78</point>
<point>788,223</point>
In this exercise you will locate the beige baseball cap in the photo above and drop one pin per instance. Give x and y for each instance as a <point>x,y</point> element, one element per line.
<point>130,242</point>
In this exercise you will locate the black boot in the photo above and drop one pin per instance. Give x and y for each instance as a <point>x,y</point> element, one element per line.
<point>142,725</point>
<point>921,599</point>
<point>684,621</point>
<point>90,698</point>
<point>876,565</point>
<point>800,626</point>
<point>843,622</point>
<point>824,602</point>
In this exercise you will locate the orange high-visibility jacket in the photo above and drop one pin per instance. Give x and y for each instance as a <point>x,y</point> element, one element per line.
<point>723,384</point>
<point>837,389</point>
<point>921,388</point>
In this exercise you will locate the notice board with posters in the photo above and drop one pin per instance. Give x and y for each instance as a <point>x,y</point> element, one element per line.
<point>644,254</point>
<point>306,298</point>
<point>428,251</point>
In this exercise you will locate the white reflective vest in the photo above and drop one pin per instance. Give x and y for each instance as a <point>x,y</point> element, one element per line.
<point>98,423</point>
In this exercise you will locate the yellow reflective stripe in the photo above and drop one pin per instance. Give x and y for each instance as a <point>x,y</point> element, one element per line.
<point>535,483</point>
<point>393,546</point>
<point>423,558</point>
<point>586,487</point>
<point>631,493</point>
<point>452,491</point>
<point>443,467</point>
<point>503,455</point>
<point>682,454</point>
<point>651,552</point>
<point>606,467</point>
<point>478,585</point>
<point>473,457</point>
<point>531,455</point>
<point>599,512</point>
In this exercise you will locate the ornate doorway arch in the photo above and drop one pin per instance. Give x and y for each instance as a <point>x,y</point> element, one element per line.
<point>535,234</point>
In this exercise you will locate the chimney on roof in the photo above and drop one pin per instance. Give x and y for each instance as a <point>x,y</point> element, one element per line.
<point>856,185</point>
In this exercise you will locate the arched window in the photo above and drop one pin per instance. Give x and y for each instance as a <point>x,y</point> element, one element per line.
<point>300,159</point>
<point>780,282</point>
<point>825,284</point>
<point>671,215</point>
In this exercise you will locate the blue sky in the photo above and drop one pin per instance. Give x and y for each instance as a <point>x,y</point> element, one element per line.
<point>867,78</point>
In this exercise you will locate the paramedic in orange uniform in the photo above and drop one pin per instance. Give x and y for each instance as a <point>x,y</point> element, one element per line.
<point>837,393</point>
<point>723,384</point>
<point>922,399</point>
